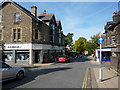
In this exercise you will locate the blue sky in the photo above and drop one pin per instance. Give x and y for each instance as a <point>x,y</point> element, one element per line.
<point>84,19</point>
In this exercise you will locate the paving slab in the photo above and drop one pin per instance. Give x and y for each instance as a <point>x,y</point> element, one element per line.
<point>109,79</point>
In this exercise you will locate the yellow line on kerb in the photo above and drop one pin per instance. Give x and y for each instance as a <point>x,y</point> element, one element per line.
<point>85,80</point>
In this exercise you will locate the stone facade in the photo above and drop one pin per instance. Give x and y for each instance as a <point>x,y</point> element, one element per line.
<point>1,50</point>
<point>27,38</point>
<point>112,31</point>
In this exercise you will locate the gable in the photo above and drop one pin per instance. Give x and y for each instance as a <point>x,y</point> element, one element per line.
<point>2,5</point>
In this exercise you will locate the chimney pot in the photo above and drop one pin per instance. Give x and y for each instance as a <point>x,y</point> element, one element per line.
<point>34,10</point>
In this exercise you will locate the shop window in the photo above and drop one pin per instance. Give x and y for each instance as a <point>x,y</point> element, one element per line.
<point>16,34</point>
<point>8,56</point>
<point>22,56</point>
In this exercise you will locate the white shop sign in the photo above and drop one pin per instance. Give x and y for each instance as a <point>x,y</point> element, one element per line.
<point>17,46</point>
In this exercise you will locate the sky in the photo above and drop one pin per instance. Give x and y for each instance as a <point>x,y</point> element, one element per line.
<point>84,19</point>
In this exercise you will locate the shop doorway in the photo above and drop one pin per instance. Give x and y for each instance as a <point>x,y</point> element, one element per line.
<point>37,57</point>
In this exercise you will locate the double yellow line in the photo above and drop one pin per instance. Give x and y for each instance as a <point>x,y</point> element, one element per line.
<point>84,85</point>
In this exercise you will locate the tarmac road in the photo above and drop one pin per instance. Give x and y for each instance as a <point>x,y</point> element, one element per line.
<point>61,75</point>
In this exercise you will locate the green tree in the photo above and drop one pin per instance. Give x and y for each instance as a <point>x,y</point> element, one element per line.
<point>92,44</point>
<point>80,45</point>
<point>94,39</point>
<point>69,39</point>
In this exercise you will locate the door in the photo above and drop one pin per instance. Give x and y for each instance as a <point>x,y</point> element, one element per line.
<point>36,57</point>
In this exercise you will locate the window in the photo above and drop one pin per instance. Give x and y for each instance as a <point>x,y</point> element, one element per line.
<point>0,18</point>
<point>19,34</point>
<point>36,34</point>
<point>16,34</point>
<point>17,17</point>
<point>0,35</point>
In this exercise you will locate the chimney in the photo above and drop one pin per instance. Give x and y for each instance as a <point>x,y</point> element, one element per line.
<point>34,10</point>
<point>44,12</point>
<point>116,16</point>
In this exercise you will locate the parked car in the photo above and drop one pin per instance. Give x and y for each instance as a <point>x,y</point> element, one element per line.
<point>63,58</point>
<point>8,72</point>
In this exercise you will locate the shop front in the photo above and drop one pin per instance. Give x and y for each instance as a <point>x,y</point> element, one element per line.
<point>17,53</point>
<point>30,53</point>
<point>106,54</point>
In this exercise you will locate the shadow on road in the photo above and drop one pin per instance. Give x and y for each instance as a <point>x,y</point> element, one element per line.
<point>30,76</point>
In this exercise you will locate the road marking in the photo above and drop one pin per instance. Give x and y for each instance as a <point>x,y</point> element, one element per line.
<point>85,80</point>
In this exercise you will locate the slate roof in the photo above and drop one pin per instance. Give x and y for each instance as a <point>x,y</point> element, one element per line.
<point>45,17</point>
<point>111,25</point>
<point>59,24</point>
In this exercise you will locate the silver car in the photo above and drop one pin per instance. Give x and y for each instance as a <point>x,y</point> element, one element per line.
<point>7,72</point>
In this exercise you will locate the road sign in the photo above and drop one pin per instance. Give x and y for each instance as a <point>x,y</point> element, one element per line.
<point>100,40</point>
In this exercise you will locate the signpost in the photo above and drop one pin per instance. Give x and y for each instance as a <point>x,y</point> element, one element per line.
<point>100,41</point>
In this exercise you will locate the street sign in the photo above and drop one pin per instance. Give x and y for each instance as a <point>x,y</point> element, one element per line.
<point>100,40</point>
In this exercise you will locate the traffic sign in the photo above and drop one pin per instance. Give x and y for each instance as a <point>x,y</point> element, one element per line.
<point>100,40</point>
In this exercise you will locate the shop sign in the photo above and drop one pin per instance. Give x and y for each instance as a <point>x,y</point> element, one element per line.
<point>13,47</point>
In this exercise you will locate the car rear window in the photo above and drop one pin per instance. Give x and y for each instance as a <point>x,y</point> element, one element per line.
<point>62,57</point>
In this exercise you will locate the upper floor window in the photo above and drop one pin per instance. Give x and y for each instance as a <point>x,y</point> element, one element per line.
<point>0,35</point>
<point>0,18</point>
<point>17,17</point>
<point>17,34</point>
<point>36,34</point>
<point>52,26</point>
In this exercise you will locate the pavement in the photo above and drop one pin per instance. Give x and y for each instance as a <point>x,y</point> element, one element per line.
<point>110,80</point>
<point>31,65</point>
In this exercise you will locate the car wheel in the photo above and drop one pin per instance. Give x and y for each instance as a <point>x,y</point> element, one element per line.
<point>20,75</point>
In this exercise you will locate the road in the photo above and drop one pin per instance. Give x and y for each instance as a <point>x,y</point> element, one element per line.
<point>61,75</point>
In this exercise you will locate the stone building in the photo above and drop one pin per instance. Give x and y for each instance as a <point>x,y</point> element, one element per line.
<point>112,31</point>
<point>1,50</point>
<point>28,38</point>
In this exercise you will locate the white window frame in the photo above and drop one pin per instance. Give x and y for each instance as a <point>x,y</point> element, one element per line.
<point>17,40</point>
<point>15,17</point>
<point>0,18</point>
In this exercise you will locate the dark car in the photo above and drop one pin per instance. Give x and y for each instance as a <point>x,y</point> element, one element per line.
<point>63,58</point>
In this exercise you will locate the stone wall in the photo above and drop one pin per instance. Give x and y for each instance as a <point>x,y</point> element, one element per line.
<point>115,63</point>
<point>0,50</point>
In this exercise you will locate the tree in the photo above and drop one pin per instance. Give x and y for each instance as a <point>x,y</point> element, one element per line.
<point>68,39</point>
<point>94,39</point>
<point>92,44</point>
<point>80,45</point>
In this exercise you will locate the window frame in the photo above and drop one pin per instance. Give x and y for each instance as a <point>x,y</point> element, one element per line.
<point>17,17</point>
<point>35,34</point>
<point>0,18</point>
<point>15,34</point>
